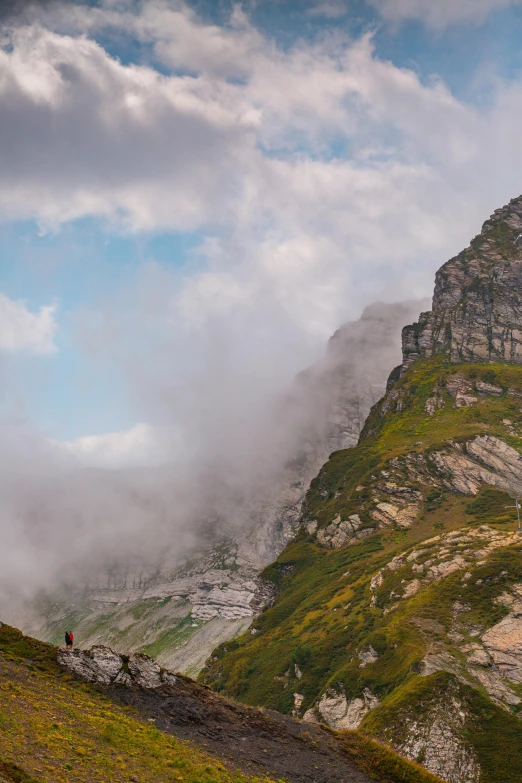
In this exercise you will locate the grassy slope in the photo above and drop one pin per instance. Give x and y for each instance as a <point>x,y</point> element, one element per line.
<point>12,773</point>
<point>59,729</point>
<point>322,615</point>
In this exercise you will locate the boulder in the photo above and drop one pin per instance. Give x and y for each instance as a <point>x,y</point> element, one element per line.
<point>103,666</point>
<point>339,713</point>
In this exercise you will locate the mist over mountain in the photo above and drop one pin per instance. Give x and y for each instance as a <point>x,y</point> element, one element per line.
<point>196,531</point>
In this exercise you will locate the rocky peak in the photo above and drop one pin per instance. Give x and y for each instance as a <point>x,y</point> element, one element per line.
<point>477,304</point>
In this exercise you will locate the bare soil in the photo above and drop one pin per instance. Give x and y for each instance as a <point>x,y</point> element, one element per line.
<point>257,741</point>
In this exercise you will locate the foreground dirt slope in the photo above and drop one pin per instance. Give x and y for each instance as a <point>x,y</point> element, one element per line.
<point>59,728</point>
<point>54,728</point>
<point>267,742</point>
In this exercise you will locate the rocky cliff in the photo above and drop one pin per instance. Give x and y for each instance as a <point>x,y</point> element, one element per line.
<point>477,306</point>
<point>397,607</point>
<point>180,612</point>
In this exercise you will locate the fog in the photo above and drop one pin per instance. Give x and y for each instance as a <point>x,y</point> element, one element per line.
<point>225,429</point>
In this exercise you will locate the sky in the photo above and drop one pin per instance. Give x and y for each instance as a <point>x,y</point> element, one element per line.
<point>201,193</point>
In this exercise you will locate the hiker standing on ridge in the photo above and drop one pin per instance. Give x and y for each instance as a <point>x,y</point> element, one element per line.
<point>69,639</point>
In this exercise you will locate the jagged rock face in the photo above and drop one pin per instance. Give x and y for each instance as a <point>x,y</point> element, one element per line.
<point>436,741</point>
<point>340,532</point>
<point>465,467</point>
<point>502,644</point>
<point>477,307</point>
<point>103,666</point>
<point>334,710</point>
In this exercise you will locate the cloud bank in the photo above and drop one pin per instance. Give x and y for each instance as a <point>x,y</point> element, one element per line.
<point>23,330</point>
<point>299,165</point>
<point>137,446</point>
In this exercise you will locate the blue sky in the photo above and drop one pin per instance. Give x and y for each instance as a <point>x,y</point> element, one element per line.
<point>67,393</point>
<point>184,184</point>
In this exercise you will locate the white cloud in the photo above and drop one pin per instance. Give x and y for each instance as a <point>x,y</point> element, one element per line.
<point>131,145</point>
<point>84,135</point>
<point>241,149</point>
<point>328,9</point>
<point>439,13</point>
<point>22,330</point>
<point>137,446</point>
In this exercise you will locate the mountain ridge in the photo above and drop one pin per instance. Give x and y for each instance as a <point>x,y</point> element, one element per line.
<point>401,592</point>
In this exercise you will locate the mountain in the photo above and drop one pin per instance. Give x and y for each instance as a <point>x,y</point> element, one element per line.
<point>179,611</point>
<point>399,603</point>
<point>96,716</point>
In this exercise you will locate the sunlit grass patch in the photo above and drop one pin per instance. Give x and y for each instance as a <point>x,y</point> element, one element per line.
<point>65,730</point>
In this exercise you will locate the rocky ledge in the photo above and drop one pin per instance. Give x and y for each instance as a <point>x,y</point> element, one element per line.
<point>103,666</point>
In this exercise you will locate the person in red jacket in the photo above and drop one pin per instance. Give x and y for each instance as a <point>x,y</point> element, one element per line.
<point>69,639</point>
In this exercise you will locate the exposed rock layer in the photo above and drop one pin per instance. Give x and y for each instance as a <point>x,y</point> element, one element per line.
<point>477,307</point>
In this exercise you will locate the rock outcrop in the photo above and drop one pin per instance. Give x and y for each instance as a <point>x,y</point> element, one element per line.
<point>341,532</point>
<point>103,666</point>
<point>502,644</point>
<point>477,308</point>
<point>435,741</point>
<point>465,467</point>
<point>336,711</point>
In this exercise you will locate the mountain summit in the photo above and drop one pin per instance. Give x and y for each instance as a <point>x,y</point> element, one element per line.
<point>398,609</point>
<point>477,304</point>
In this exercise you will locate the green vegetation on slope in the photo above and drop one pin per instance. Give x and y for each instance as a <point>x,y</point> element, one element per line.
<point>491,731</point>
<point>322,614</point>
<point>14,774</point>
<point>297,631</point>
<point>309,641</point>
<point>379,760</point>
<point>64,730</point>
<point>409,430</point>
